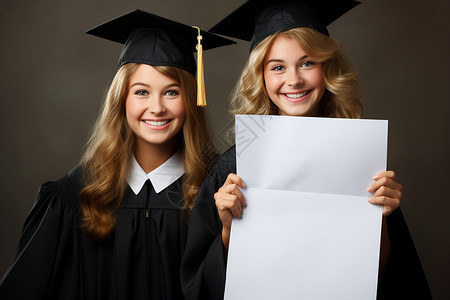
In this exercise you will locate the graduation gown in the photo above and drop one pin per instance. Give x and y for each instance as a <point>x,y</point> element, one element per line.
<point>141,259</point>
<point>203,268</point>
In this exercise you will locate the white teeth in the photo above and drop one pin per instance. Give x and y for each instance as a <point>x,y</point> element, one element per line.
<point>296,95</point>
<point>157,123</point>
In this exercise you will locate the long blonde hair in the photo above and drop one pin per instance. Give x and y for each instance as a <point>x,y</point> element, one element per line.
<point>106,161</point>
<point>341,98</point>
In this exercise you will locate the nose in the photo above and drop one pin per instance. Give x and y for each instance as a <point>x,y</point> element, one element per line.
<point>156,105</point>
<point>294,78</point>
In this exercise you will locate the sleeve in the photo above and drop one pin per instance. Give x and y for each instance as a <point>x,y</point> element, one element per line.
<point>42,247</point>
<point>203,267</point>
<point>404,277</point>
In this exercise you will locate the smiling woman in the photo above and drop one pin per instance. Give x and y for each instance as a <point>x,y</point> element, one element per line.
<point>155,112</point>
<point>115,227</point>
<point>294,69</point>
<point>310,54</point>
<point>293,83</point>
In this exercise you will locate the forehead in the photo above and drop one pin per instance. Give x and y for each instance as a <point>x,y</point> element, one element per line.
<point>150,74</point>
<point>284,46</point>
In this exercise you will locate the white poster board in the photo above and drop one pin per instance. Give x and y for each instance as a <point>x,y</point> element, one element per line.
<point>308,231</point>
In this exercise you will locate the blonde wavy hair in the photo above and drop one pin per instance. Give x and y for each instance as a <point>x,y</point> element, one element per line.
<point>341,98</point>
<point>106,161</point>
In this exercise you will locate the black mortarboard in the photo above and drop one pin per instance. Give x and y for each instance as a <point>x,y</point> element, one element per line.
<point>255,20</point>
<point>154,40</point>
<point>157,41</point>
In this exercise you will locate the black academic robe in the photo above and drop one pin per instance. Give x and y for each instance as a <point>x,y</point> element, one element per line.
<point>141,259</point>
<point>203,268</point>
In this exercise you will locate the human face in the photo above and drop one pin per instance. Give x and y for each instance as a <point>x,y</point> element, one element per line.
<point>294,83</point>
<point>154,107</point>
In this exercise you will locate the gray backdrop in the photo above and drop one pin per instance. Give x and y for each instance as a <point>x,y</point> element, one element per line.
<point>53,77</point>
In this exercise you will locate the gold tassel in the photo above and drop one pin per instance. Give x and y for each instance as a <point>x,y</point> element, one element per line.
<point>201,95</point>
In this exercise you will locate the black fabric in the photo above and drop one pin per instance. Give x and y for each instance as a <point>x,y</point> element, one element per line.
<point>141,259</point>
<point>203,268</point>
<point>404,277</point>
<point>204,263</point>
<point>156,41</point>
<point>257,19</point>
<point>156,48</point>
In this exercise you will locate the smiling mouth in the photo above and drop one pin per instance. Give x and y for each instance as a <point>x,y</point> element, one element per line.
<point>297,95</point>
<point>157,123</point>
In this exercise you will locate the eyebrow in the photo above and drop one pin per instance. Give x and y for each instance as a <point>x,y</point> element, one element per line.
<point>175,84</point>
<point>139,83</point>
<point>277,60</point>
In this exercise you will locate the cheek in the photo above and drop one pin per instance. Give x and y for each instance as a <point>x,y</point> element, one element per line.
<point>132,110</point>
<point>321,87</point>
<point>317,79</point>
<point>178,110</point>
<point>128,108</point>
<point>271,84</point>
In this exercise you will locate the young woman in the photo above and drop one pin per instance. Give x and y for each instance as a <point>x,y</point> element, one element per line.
<point>294,69</point>
<point>115,227</point>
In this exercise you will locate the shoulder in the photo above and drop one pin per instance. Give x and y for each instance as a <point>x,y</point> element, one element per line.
<point>71,183</point>
<point>55,201</point>
<point>65,189</point>
<point>226,163</point>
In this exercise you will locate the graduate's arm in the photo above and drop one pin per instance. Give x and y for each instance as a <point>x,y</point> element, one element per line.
<point>401,273</point>
<point>385,247</point>
<point>387,192</point>
<point>33,263</point>
<point>230,203</point>
<point>404,277</point>
<point>203,268</point>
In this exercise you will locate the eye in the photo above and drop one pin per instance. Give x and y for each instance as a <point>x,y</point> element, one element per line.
<point>307,64</point>
<point>172,93</point>
<point>141,93</point>
<point>278,68</point>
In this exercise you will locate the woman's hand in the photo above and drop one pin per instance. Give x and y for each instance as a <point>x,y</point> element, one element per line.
<point>387,191</point>
<point>230,203</point>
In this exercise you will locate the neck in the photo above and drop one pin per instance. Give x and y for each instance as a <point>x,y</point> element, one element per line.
<point>150,156</point>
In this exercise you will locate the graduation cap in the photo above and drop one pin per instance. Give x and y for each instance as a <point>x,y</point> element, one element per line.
<point>157,41</point>
<point>255,20</point>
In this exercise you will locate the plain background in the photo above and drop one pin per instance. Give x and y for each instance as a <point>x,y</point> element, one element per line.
<point>53,78</point>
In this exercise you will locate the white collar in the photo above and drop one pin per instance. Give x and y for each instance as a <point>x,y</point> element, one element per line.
<point>161,177</point>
